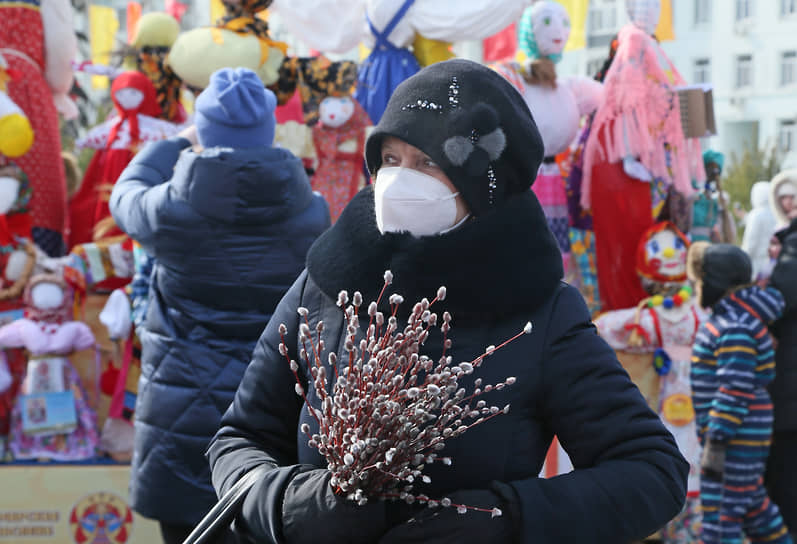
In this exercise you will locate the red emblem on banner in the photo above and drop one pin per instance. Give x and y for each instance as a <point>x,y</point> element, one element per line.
<point>101,518</point>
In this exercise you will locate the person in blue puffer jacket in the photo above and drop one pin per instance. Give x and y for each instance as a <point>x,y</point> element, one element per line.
<point>228,225</point>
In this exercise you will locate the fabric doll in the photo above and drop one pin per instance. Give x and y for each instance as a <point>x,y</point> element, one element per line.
<point>558,104</point>
<point>636,152</point>
<point>116,140</point>
<point>38,42</point>
<point>314,79</point>
<point>339,140</point>
<point>153,38</point>
<point>392,27</point>
<point>654,343</point>
<point>50,335</point>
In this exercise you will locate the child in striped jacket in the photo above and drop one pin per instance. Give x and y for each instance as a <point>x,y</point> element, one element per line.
<point>733,361</point>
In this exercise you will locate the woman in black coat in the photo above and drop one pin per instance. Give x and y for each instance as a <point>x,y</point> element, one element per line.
<point>781,475</point>
<point>454,157</point>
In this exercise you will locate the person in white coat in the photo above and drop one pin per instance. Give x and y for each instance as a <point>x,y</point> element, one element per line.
<point>759,228</point>
<point>783,197</point>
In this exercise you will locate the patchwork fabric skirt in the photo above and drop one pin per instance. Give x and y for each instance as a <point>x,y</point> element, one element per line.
<point>550,190</point>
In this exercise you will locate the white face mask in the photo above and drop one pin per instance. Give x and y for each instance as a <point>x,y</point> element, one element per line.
<point>410,201</point>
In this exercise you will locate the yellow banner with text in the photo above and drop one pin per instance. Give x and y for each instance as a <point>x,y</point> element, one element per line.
<point>70,504</point>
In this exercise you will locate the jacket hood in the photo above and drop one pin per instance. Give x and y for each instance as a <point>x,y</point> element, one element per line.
<point>787,176</point>
<point>504,261</point>
<point>759,194</point>
<point>243,186</point>
<point>768,304</point>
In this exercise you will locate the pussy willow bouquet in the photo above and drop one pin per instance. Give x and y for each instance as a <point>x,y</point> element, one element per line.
<point>391,409</point>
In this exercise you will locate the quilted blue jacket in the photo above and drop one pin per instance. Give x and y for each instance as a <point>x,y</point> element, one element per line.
<point>229,231</point>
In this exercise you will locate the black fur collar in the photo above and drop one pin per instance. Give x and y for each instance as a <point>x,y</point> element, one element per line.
<point>502,262</point>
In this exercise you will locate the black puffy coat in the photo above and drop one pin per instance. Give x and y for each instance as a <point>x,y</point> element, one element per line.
<point>783,388</point>
<point>229,230</point>
<point>501,270</point>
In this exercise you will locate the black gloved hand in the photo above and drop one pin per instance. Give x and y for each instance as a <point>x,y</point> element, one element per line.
<point>313,513</point>
<point>712,462</point>
<point>442,525</point>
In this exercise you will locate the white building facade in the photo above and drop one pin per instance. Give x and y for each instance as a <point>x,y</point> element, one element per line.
<point>747,50</point>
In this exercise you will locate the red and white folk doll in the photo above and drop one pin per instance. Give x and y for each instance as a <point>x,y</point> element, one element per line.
<point>339,139</point>
<point>116,140</point>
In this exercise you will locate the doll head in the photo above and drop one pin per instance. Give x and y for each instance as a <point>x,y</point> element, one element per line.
<point>661,257</point>
<point>133,92</point>
<point>543,31</point>
<point>644,14</point>
<point>324,79</point>
<point>334,112</point>
<point>48,298</point>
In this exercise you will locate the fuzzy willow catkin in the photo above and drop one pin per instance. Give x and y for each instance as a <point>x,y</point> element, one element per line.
<point>390,410</point>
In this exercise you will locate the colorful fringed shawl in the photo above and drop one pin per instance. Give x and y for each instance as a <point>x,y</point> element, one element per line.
<point>640,115</point>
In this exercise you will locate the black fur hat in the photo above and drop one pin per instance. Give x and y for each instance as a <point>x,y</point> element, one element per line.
<point>472,122</point>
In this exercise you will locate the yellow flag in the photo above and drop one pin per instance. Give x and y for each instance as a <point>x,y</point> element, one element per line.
<point>664,31</point>
<point>577,9</point>
<point>103,25</point>
<point>216,10</point>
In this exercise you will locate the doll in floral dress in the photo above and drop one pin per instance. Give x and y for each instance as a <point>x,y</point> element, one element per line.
<point>50,336</point>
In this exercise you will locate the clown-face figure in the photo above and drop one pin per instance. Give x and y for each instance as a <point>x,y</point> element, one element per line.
<point>661,257</point>
<point>667,252</point>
